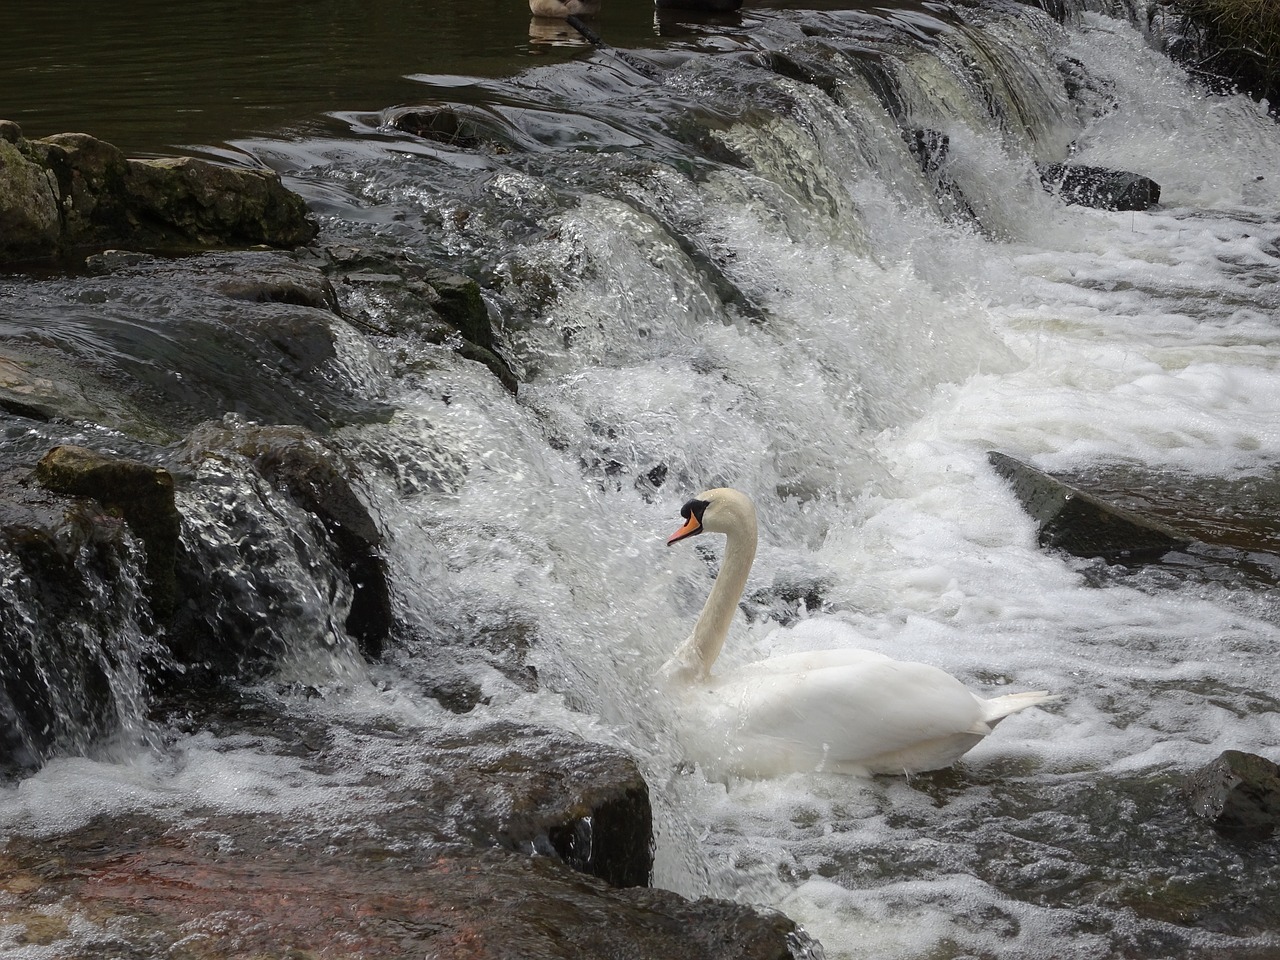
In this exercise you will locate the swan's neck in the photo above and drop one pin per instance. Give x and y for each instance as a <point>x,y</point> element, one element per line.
<point>693,659</point>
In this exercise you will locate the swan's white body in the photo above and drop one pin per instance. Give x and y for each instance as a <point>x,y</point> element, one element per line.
<point>841,711</point>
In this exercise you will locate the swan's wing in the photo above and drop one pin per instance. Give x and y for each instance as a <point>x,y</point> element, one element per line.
<point>797,663</point>
<point>844,713</point>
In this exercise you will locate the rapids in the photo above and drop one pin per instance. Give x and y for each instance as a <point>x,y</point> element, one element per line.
<point>738,274</point>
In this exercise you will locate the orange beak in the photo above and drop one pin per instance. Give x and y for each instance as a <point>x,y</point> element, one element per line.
<point>692,526</point>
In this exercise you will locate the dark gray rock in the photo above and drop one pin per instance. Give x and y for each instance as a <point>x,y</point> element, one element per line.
<point>420,300</point>
<point>1076,183</point>
<point>322,481</point>
<point>1080,523</point>
<point>141,493</point>
<point>72,192</point>
<point>55,688</point>
<point>528,789</point>
<point>1239,793</point>
<point>467,128</point>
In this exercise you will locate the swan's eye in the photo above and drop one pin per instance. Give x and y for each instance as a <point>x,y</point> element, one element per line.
<point>694,508</point>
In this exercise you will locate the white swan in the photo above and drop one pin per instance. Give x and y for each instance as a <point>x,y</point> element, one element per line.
<point>841,711</point>
<point>563,9</point>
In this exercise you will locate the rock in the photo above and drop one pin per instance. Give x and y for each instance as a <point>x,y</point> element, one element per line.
<point>930,149</point>
<point>460,303</point>
<point>140,492</point>
<point>527,789</point>
<point>322,481</point>
<point>1100,187</point>
<point>467,128</point>
<point>540,792</point>
<point>1239,793</point>
<point>29,223</point>
<point>140,886</point>
<point>72,192</point>
<point>1073,520</point>
<point>207,204</point>
<point>319,479</point>
<point>438,305</point>
<point>55,690</point>
<point>257,279</point>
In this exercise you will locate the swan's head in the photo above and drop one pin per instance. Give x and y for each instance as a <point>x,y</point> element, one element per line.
<point>721,510</point>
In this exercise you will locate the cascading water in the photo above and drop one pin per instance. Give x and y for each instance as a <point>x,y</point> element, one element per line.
<point>743,274</point>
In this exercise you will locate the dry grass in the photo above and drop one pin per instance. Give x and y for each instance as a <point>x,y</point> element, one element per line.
<point>1239,40</point>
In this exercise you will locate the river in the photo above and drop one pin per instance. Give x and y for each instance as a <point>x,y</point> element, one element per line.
<point>717,262</point>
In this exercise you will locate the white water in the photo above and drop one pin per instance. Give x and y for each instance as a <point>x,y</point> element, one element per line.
<point>898,351</point>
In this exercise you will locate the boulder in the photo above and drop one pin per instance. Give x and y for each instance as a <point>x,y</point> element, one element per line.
<point>1082,524</point>
<point>316,476</point>
<point>1076,183</point>
<point>141,493</point>
<point>210,205</point>
<point>1239,793</point>
<point>319,479</point>
<point>439,305</point>
<point>29,224</point>
<point>259,886</point>
<point>73,193</point>
<point>527,789</point>
<point>58,609</point>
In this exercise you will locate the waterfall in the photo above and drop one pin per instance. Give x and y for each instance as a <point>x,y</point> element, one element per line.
<point>811,256</point>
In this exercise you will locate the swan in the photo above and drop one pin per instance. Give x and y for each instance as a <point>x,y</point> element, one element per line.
<point>563,9</point>
<point>850,711</point>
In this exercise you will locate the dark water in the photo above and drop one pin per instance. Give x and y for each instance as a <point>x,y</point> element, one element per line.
<point>155,75</point>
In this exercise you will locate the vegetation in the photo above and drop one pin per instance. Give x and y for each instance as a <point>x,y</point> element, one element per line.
<point>1236,42</point>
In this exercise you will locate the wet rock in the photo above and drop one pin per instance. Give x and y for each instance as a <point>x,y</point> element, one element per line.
<point>523,788</point>
<point>930,149</point>
<point>141,493</point>
<point>319,479</point>
<point>208,204</point>
<point>467,128</point>
<point>74,192</point>
<point>1080,523</point>
<point>414,299</point>
<point>322,481</point>
<point>278,280</point>
<point>1100,187</point>
<point>258,886</point>
<point>543,792</point>
<point>792,595</point>
<point>1239,793</point>
<point>56,614</point>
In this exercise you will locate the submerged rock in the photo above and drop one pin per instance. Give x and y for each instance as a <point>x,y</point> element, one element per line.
<point>1239,793</point>
<point>72,192</point>
<point>1080,523</point>
<point>1100,187</point>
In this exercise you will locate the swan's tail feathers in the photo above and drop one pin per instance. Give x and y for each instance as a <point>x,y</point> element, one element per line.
<point>997,708</point>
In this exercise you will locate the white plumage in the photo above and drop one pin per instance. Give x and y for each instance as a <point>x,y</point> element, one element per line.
<point>841,711</point>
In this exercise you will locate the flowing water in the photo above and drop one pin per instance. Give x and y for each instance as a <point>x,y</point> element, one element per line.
<point>719,263</point>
